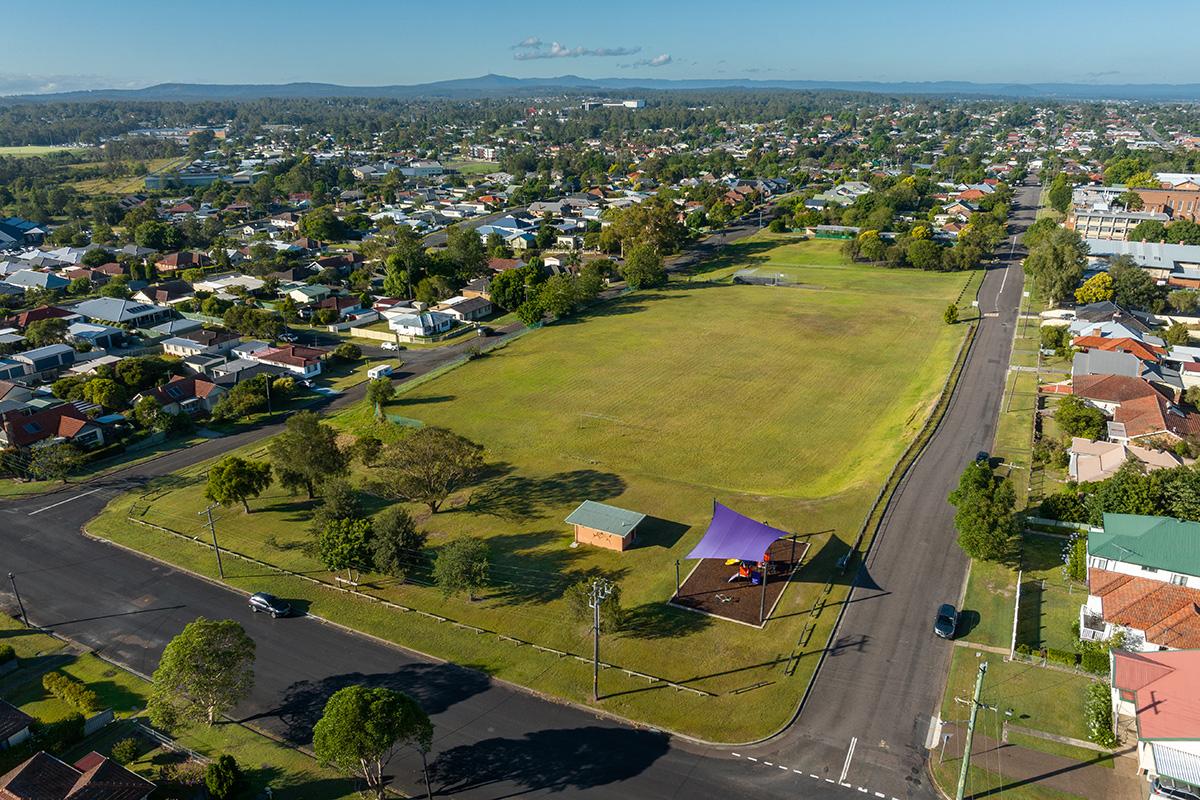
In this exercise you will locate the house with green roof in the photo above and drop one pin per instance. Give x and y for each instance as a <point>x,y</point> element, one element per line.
<point>604,526</point>
<point>1143,580</point>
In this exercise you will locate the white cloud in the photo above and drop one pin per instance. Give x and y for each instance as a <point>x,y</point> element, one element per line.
<point>21,83</point>
<point>536,49</point>
<point>660,60</point>
<point>528,42</point>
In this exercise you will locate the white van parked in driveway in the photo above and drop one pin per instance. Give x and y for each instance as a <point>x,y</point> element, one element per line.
<point>381,371</point>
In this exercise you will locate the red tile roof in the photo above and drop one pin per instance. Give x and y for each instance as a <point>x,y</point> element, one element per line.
<point>24,429</point>
<point>93,777</point>
<point>1169,614</point>
<point>1122,344</point>
<point>1111,388</point>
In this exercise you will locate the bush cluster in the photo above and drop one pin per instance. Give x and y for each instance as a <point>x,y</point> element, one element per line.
<point>7,653</point>
<point>71,691</point>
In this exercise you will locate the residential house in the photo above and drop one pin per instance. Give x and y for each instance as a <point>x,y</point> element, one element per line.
<point>344,305</point>
<point>185,259</point>
<point>1158,690</point>
<point>175,327</point>
<point>165,293</point>
<point>190,395</point>
<point>1106,224</point>
<point>224,285</point>
<point>1096,461</point>
<point>310,293</point>
<point>480,287</point>
<point>100,337</point>
<point>46,362</point>
<point>1144,580</point>
<point>303,362</point>
<point>93,777</point>
<point>418,323</point>
<point>119,311</point>
<point>203,341</point>
<point>15,725</point>
<point>61,423</point>
<point>1141,411</point>
<point>11,369</point>
<point>504,264</point>
<point>25,318</point>
<point>26,279</point>
<point>465,309</point>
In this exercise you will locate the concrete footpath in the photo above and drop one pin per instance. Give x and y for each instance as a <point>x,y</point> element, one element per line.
<point>1020,766</point>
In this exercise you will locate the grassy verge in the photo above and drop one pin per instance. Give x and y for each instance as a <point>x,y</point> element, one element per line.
<point>1054,748</point>
<point>985,783</point>
<point>290,773</point>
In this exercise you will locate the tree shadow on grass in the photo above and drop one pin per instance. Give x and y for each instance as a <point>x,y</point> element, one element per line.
<point>517,497</point>
<point>436,687</point>
<point>1042,553</point>
<point>524,570</point>
<point>549,761</point>
<point>662,621</point>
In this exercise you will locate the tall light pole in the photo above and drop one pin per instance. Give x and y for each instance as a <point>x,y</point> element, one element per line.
<point>601,589</point>
<point>13,580</point>
<point>212,529</point>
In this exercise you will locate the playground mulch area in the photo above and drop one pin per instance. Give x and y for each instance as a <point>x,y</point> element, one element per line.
<point>709,590</point>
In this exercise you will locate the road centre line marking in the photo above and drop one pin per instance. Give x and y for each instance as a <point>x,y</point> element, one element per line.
<point>863,790</point>
<point>751,758</point>
<point>880,794</point>
<point>829,780</point>
<point>69,499</point>
<point>736,755</point>
<point>814,777</point>
<point>782,767</point>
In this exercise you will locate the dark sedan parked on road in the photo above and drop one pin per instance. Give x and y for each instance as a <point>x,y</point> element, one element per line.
<point>946,622</point>
<point>270,604</point>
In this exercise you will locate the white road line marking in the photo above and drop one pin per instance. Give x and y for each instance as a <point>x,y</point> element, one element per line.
<point>829,780</point>
<point>751,758</point>
<point>861,789</point>
<point>69,499</point>
<point>880,794</point>
<point>736,755</point>
<point>782,767</point>
<point>849,755</point>
<point>815,777</point>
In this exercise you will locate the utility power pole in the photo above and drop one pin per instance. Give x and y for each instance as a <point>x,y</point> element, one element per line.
<point>212,529</point>
<point>601,589</point>
<point>966,758</point>
<point>24,618</point>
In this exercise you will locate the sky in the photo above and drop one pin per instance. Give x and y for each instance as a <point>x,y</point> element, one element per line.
<point>134,43</point>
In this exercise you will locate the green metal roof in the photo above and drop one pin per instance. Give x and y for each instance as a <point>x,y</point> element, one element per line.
<point>603,517</point>
<point>1158,542</point>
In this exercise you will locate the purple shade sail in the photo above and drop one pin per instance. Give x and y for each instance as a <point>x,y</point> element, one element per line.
<point>733,535</point>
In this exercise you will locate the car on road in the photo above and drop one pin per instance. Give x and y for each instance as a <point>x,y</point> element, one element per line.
<point>288,337</point>
<point>389,346</point>
<point>261,602</point>
<point>946,622</point>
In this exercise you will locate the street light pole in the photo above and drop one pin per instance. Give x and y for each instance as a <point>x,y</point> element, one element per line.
<point>13,580</point>
<point>212,529</point>
<point>601,589</point>
<point>966,757</point>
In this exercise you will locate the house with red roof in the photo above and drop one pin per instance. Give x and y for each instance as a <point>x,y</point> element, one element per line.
<point>1144,411</point>
<point>25,427</point>
<point>93,777</point>
<point>304,362</point>
<point>185,395</point>
<point>1158,692</point>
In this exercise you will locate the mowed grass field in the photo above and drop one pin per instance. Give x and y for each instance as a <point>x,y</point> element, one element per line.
<point>31,150</point>
<point>790,405</point>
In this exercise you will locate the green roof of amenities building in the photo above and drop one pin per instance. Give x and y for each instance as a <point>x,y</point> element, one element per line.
<point>1156,542</point>
<point>604,525</point>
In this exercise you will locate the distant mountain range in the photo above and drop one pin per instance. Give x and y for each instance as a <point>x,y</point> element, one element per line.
<point>502,85</point>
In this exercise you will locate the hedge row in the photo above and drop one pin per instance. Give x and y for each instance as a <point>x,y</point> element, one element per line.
<point>71,691</point>
<point>1094,661</point>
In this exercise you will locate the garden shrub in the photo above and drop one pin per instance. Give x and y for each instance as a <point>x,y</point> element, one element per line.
<point>7,653</point>
<point>1097,714</point>
<point>71,692</point>
<point>1066,657</point>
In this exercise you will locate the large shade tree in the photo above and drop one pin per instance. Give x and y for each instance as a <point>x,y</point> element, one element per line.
<point>204,671</point>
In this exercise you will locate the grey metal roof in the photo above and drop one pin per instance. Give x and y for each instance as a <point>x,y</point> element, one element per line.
<point>1106,362</point>
<point>603,517</point>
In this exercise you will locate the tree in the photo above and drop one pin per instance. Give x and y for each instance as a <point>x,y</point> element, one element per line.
<point>321,223</point>
<point>1148,230</point>
<point>234,480</point>
<point>362,729</point>
<point>1177,334</point>
<point>465,249</point>
<point>347,351</point>
<point>1184,301</point>
<point>579,597</point>
<point>380,391</point>
<point>46,331</point>
<point>1056,263</point>
<point>950,315</point>
<point>222,777</point>
<point>148,413</point>
<point>462,565</point>
<point>871,247</point>
<point>157,236</point>
<point>106,392</point>
<point>1132,286</point>
<point>654,223</point>
<point>54,462</point>
<point>1095,289</point>
<point>398,542</point>
<point>429,465</point>
<point>1059,193</point>
<point>1132,201</point>
<point>984,517</point>
<point>559,295</point>
<point>643,268</point>
<point>306,453</point>
<point>1183,231</point>
<point>346,544</point>
<point>204,671</point>
<point>1077,417</point>
<point>924,254</point>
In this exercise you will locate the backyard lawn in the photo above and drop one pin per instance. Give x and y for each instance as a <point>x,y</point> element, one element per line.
<point>789,404</point>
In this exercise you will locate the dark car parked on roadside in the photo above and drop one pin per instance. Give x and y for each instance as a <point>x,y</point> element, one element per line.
<point>269,604</point>
<point>946,622</point>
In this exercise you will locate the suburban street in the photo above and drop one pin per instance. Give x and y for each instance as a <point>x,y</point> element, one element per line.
<point>862,730</point>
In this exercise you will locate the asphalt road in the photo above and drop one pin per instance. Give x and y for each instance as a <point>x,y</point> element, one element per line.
<point>881,680</point>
